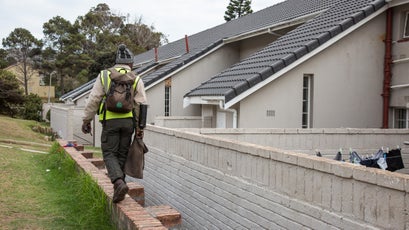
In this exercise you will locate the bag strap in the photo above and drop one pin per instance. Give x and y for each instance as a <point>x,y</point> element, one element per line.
<point>105,80</point>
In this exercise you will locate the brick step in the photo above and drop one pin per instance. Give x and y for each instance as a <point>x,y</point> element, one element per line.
<point>168,216</point>
<point>126,214</point>
<point>87,154</point>
<point>136,192</point>
<point>79,147</point>
<point>97,162</point>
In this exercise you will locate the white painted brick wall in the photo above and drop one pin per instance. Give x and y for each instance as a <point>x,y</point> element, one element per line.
<point>222,184</point>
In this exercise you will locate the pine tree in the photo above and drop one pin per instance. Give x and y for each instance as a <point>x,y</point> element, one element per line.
<point>237,8</point>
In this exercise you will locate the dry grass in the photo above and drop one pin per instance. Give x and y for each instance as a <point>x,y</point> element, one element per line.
<point>16,129</point>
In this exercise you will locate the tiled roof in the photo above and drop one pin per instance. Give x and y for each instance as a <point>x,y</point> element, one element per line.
<point>204,41</point>
<point>341,15</point>
<point>78,91</point>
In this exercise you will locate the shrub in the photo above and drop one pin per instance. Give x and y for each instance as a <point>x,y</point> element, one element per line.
<point>33,108</point>
<point>11,96</point>
<point>48,115</point>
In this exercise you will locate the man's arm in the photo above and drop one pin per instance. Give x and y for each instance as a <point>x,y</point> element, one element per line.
<point>94,99</point>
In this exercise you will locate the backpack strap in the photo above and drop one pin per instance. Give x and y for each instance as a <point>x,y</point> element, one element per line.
<point>136,82</point>
<point>106,81</point>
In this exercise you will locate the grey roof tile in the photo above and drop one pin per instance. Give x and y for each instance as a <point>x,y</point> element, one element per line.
<point>340,16</point>
<point>206,40</point>
<point>78,91</point>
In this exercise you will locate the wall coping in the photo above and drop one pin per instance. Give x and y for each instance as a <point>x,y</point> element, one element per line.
<point>295,131</point>
<point>392,180</point>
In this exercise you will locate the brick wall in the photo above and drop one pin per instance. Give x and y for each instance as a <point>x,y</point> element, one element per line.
<point>327,141</point>
<point>223,184</point>
<point>131,213</point>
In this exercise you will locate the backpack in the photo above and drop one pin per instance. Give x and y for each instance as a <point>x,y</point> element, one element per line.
<point>119,90</point>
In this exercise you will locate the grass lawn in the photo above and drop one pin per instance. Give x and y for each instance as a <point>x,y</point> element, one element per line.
<point>44,190</point>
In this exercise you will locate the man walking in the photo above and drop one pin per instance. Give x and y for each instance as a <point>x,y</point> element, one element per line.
<point>118,124</point>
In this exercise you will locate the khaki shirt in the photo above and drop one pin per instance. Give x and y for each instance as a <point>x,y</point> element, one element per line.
<point>97,93</point>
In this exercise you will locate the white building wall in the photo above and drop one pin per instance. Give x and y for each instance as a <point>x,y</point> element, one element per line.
<point>209,116</point>
<point>282,97</point>
<point>252,45</point>
<point>82,101</point>
<point>348,79</point>
<point>156,102</point>
<point>400,53</point>
<point>199,72</point>
<point>61,121</point>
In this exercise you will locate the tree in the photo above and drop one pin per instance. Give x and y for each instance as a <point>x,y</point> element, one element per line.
<point>101,29</point>
<point>64,50</point>
<point>11,95</point>
<point>237,8</point>
<point>5,60</point>
<point>23,46</point>
<point>104,31</point>
<point>78,51</point>
<point>103,61</point>
<point>141,37</point>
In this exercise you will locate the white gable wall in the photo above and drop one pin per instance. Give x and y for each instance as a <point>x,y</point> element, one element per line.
<point>252,45</point>
<point>155,97</point>
<point>187,79</point>
<point>348,79</point>
<point>198,72</point>
<point>201,71</point>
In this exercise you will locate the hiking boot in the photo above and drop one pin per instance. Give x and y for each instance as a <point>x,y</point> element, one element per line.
<point>120,190</point>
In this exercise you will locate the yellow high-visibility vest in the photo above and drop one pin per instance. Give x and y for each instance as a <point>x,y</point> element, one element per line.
<point>106,83</point>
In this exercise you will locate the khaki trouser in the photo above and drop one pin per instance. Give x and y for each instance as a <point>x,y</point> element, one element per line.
<point>115,142</point>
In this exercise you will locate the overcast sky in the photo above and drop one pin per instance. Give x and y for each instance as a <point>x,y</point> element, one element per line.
<point>174,18</point>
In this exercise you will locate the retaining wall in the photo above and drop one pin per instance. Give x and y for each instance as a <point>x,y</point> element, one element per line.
<point>131,213</point>
<point>230,184</point>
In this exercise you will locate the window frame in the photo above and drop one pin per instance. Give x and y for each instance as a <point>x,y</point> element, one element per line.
<point>307,99</point>
<point>404,120</point>
<point>406,25</point>
<point>168,91</point>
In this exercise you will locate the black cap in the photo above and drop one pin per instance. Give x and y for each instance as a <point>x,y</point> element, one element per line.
<point>123,55</point>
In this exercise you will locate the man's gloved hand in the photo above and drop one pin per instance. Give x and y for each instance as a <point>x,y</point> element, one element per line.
<point>139,133</point>
<point>86,127</point>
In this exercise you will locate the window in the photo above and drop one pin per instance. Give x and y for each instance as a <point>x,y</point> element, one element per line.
<point>400,118</point>
<point>406,24</point>
<point>307,94</point>
<point>168,85</point>
<point>270,113</point>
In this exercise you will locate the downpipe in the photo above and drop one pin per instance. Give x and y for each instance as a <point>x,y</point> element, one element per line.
<point>387,68</point>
